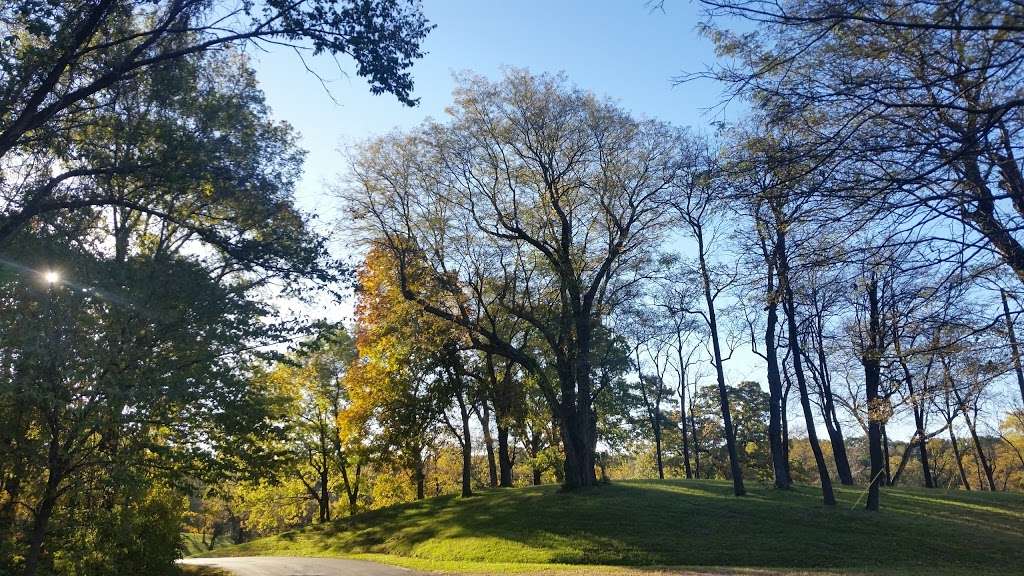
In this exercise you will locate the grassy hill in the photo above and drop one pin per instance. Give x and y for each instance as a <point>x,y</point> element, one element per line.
<point>691,525</point>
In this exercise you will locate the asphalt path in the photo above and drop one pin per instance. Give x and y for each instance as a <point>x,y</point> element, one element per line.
<point>294,566</point>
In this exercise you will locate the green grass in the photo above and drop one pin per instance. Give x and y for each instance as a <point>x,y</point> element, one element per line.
<point>679,524</point>
<point>193,543</point>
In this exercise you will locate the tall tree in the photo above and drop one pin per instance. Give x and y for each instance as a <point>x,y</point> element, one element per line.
<point>535,201</point>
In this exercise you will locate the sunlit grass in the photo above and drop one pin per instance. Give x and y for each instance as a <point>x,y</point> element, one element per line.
<point>688,524</point>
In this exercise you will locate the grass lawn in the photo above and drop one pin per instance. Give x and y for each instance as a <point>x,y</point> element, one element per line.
<point>193,543</point>
<point>677,525</point>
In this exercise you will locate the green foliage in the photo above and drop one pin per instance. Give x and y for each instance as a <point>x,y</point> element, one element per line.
<point>749,407</point>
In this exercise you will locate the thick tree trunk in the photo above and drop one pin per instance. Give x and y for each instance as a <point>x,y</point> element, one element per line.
<point>504,458</point>
<point>723,393</point>
<point>780,465</point>
<point>871,360</point>
<point>485,424</point>
<point>827,496</point>
<point>419,476</point>
<point>576,420</point>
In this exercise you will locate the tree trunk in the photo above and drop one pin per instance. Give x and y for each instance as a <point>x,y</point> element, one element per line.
<point>827,496</point>
<point>723,393</point>
<point>780,465</point>
<point>1014,347</point>
<point>467,448</point>
<point>696,444</point>
<point>325,496</point>
<point>419,477</point>
<point>959,458</point>
<point>534,450</point>
<point>576,419</point>
<point>828,406</point>
<point>657,448</point>
<point>682,417</point>
<point>871,360</point>
<point>979,449</point>
<point>504,457</point>
<point>485,423</point>
<point>886,455</point>
<point>44,511</point>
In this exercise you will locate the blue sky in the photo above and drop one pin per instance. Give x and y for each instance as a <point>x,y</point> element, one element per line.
<point>624,50</point>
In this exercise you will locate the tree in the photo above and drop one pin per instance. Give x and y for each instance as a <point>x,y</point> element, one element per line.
<point>696,207</point>
<point>535,201</point>
<point>915,106</point>
<point>66,65</point>
<point>407,372</point>
<point>312,384</point>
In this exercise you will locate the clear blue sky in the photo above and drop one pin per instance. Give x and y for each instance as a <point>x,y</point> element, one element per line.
<point>623,50</point>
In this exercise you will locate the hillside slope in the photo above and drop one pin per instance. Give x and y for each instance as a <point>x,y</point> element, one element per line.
<point>681,524</point>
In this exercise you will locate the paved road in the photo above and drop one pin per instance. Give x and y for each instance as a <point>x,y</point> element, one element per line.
<point>289,566</point>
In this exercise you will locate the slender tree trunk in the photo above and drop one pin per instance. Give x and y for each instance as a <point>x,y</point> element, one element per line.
<point>325,495</point>
<point>827,496</point>
<point>657,450</point>
<point>959,458</point>
<point>871,360</point>
<point>696,444</point>
<point>723,393</point>
<point>903,460</point>
<point>780,464</point>
<point>467,448</point>
<point>926,469</point>
<point>886,455</point>
<point>353,491</point>
<point>828,406</point>
<point>682,414</point>
<point>534,450</point>
<point>485,424</point>
<point>44,511</point>
<point>1014,347</point>
<point>979,449</point>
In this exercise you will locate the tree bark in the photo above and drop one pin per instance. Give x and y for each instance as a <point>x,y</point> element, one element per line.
<point>419,477</point>
<point>682,412</point>
<point>723,393</point>
<point>978,448</point>
<point>827,496</point>
<point>780,464</point>
<point>871,360</point>
<point>467,448</point>
<point>43,513</point>
<point>504,457</point>
<point>484,416</point>
<point>1014,347</point>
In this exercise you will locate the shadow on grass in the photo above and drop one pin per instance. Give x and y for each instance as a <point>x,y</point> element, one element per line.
<point>690,523</point>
